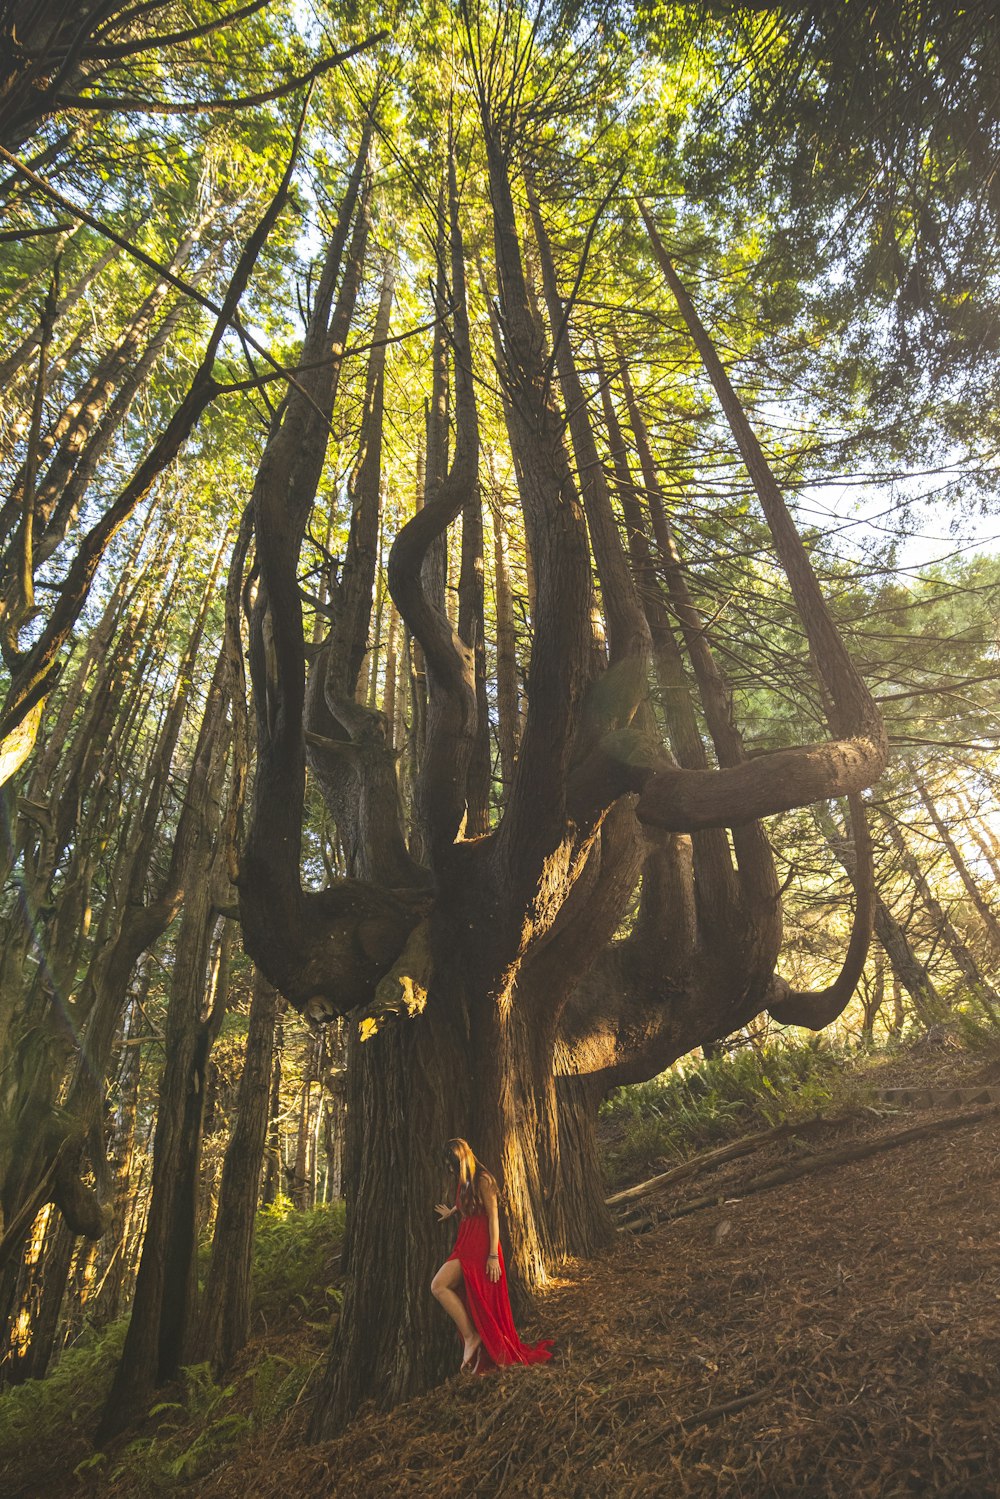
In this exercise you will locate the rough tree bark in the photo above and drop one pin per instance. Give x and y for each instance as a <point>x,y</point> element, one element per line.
<point>225,1322</point>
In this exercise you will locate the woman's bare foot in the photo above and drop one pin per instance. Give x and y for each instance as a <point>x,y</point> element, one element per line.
<point>470,1353</point>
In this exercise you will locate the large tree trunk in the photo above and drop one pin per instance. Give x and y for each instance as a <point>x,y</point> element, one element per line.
<point>41,1287</point>
<point>586,1223</point>
<point>459,973</point>
<point>411,1088</point>
<point>467,1065</point>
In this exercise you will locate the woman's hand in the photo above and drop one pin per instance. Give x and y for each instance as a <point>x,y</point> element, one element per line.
<point>444,1211</point>
<point>493,1266</point>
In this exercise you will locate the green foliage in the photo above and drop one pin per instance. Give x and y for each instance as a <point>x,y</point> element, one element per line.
<point>294,1260</point>
<point>978,1024</point>
<point>206,1422</point>
<point>194,1432</point>
<point>278,1384</point>
<point>198,1422</point>
<point>681,1112</point>
<point>60,1411</point>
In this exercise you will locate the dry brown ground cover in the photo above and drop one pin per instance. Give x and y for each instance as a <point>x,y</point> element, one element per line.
<point>835,1336</point>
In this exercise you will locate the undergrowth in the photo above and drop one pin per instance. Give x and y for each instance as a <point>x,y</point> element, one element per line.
<point>45,1425</point>
<point>56,1414</point>
<point>203,1424</point>
<point>978,1024</point>
<point>648,1125</point>
<point>295,1260</point>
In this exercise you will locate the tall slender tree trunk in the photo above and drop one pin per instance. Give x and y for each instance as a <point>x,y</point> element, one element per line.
<point>272,1151</point>
<point>981,836</point>
<point>971,884</point>
<point>908,971</point>
<point>873,999</point>
<point>471,626</point>
<point>898,1012</point>
<point>225,1320</point>
<point>106,1303</point>
<point>943,924</point>
<point>508,715</point>
<point>299,1182</point>
<point>166,1286</point>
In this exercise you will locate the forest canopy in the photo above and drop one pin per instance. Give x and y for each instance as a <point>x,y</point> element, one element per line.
<point>498,590</point>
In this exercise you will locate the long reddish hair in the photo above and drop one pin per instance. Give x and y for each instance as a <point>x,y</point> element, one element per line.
<point>470,1175</point>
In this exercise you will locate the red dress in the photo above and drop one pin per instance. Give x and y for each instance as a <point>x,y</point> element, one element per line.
<point>487,1300</point>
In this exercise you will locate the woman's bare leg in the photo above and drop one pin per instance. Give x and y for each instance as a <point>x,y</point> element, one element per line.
<point>445,1286</point>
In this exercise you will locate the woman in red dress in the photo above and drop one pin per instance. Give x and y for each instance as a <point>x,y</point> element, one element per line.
<point>471,1285</point>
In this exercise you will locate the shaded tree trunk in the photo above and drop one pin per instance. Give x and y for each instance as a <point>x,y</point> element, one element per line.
<point>166,1284</point>
<point>391,1339</point>
<point>908,971</point>
<point>471,624</point>
<point>873,998</point>
<point>508,714</point>
<point>225,1320</point>
<point>272,1153</point>
<point>106,1303</point>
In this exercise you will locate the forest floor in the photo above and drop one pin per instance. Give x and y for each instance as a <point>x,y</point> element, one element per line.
<point>835,1335</point>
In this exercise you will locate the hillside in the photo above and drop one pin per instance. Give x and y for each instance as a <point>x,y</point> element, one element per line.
<point>838,1334</point>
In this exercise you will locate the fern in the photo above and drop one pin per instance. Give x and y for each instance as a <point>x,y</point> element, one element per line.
<point>46,1415</point>
<point>693,1107</point>
<point>294,1259</point>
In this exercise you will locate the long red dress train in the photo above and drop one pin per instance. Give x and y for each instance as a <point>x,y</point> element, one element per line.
<point>488,1302</point>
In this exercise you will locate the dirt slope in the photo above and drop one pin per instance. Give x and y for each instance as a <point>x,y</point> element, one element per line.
<point>836,1336</point>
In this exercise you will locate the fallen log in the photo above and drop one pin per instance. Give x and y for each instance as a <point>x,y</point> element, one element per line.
<point>824,1160</point>
<point>723,1153</point>
<point>938,1098</point>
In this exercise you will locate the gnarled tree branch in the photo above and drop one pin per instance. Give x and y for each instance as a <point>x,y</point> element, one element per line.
<point>452,709</point>
<point>680,800</point>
